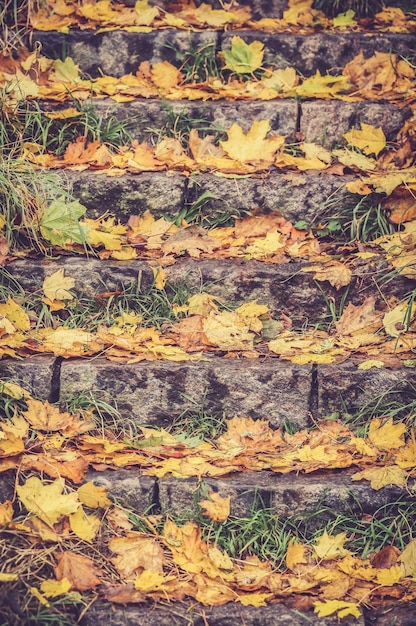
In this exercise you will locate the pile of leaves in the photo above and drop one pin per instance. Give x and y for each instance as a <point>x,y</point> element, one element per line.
<point>203,327</point>
<point>104,15</point>
<point>101,549</point>
<point>382,76</point>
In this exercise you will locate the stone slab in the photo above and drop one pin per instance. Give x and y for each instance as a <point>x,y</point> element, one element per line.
<point>322,51</point>
<point>161,193</point>
<point>284,288</point>
<point>298,196</point>
<point>158,392</point>
<point>120,52</point>
<point>143,116</point>
<point>34,374</point>
<point>325,122</point>
<point>287,494</point>
<point>343,388</point>
<point>186,614</point>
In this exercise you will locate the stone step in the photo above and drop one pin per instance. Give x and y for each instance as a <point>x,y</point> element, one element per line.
<point>119,52</point>
<point>158,392</point>
<point>329,491</point>
<point>298,196</point>
<point>317,121</point>
<point>284,288</point>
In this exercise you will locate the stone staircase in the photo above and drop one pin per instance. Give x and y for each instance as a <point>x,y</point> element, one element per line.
<point>156,393</point>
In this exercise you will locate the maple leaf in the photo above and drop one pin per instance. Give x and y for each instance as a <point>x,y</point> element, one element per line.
<point>93,496</point>
<point>47,417</point>
<point>359,320</point>
<point>336,273</point>
<point>354,159</point>
<point>344,19</point>
<point>66,71</point>
<point>135,552</point>
<point>149,580</point>
<point>165,75</point>
<point>56,286</point>
<point>15,314</point>
<point>408,559</point>
<point>295,554</point>
<point>217,507</point>
<point>47,501</point>
<point>252,146</point>
<point>395,322</point>
<point>54,588</point>
<point>331,546</point>
<point>244,58</point>
<point>341,608</point>
<point>59,222</point>
<point>84,526</point>
<point>6,513</point>
<point>386,435</point>
<point>380,477</point>
<point>81,571</point>
<point>369,139</point>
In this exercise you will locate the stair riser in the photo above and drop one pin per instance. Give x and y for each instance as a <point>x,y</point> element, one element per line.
<point>119,52</point>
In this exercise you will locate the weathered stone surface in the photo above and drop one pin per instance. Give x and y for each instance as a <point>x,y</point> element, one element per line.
<point>127,487</point>
<point>197,615</point>
<point>284,288</point>
<point>322,51</point>
<point>286,495</point>
<point>393,615</point>
<point>158,192</point>
<point>143,116</point>
<point>34,374</point>
<point>92,276</point>
<point>297,196</point>
<point>120,52</point>
<point>344,388</point>
<point>158,392</point>
<point>325,122</point>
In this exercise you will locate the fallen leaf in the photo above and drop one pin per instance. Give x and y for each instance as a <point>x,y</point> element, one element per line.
<point>80,570</point>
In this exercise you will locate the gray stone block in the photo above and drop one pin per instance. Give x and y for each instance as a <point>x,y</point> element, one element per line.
<point>146,117</point>
<point>158,392</point>
<point>326,122</point>
<point>298,196</point>
<point>158,192</point>
<point>346,389</point>
<point>34,374</point>
<point>322,51</point>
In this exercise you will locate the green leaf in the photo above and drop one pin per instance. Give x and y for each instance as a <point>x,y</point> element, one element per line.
<point>244,58</point>
<point>344,19</point>
<point>59,222</point>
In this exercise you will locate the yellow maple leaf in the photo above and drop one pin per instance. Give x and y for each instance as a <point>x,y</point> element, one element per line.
<point>226,331</point>
<point>93,496</point>
<point>255,599</point>
<point>295,554</point>
<point>6,513</point>
<point>354,159</point>
<point>408,559</point>
<point>406,456</point>
<point>84,526</point>
<point>389,576</point>
<point>217,507</point>
<point>152,581</point>
<point>54,588</point>
<point>331,546</point>
<point>15,314</point>
<point>369,139</point>
<point>252,146</point>
<point>56,286</point>
<point>336,273</point>
<point>344,19</point>
<point>66,71</point>
<point>47,501</point>
<point>341,608</point>
<point>243,58</point>
<point>385,435</point>
<point>382,476</point>
<point>165,75</point>
<point>395,322</point>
